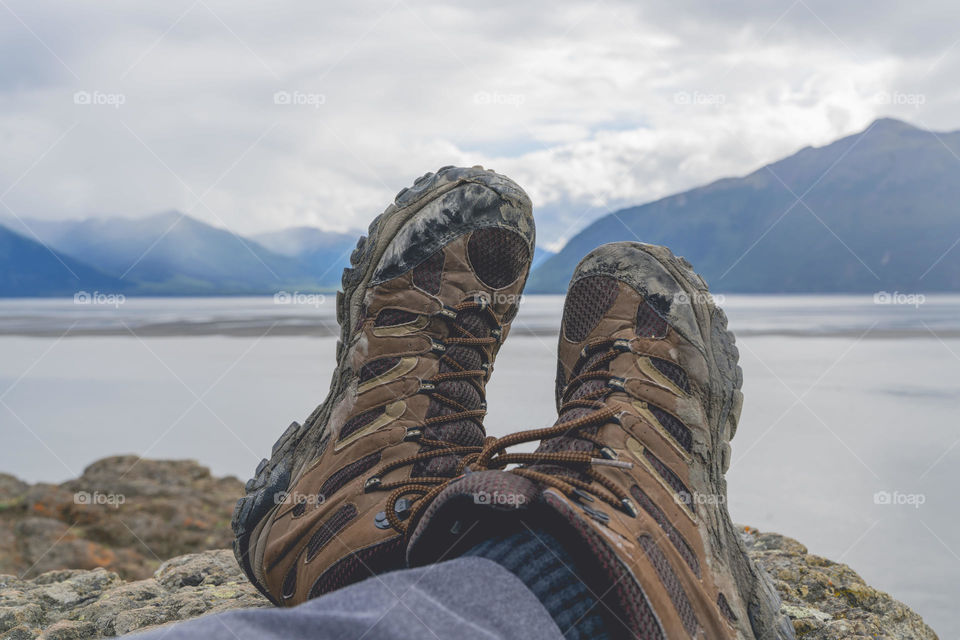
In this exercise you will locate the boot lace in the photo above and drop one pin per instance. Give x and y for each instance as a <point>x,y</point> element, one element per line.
<point>418,491</point>
<point>574,473</point>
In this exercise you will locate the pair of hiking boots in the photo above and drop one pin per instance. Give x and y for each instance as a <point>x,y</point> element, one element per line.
<point>394,468</point>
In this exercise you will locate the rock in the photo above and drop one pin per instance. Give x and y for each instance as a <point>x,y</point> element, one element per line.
<point>98,604</point>
<point>103,580</point>
<point>827,600</point>
<point>68,630</point>
<point>124,513</point>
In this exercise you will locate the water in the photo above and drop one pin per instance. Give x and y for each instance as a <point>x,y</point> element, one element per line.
<point>845,399</point>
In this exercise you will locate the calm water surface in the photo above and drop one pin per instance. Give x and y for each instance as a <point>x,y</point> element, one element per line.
<point>845,399</point>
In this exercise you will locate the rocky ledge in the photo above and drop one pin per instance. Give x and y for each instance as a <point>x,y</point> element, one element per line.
<point>126,514</point>
<point>826,600</point>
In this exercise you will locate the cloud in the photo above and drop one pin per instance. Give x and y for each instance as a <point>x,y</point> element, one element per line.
<point>257,117</point>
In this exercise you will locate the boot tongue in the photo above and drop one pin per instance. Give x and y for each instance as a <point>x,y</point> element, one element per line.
<point>461,432</point>
<point>571,442</point>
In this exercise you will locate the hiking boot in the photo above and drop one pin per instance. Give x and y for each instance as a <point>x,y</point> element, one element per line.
<point>424,309</point>
<point>631,477</point>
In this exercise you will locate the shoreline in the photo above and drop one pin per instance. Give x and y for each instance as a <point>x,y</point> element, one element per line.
<point>281,328</point>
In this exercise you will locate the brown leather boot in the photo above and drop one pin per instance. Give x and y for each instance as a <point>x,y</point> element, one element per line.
<point>631,477</point>
<point>423,312</point>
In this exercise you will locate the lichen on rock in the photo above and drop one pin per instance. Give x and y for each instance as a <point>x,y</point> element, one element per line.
<point>827,600</point>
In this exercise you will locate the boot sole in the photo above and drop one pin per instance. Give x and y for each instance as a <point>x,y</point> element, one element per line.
<point>250,521</point>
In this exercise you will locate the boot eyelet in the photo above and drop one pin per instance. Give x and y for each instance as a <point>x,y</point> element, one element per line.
<point>402,508</point>
<point>380,521</point>
<point>583,495</point>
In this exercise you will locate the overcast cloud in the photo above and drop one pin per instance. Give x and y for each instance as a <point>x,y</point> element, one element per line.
<point>259,116</point>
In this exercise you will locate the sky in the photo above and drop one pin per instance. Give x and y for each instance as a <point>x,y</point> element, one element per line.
<point>258,116</point>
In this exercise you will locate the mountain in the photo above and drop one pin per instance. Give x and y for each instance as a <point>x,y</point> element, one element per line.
<point>324,253</point>
<point>174,254</point>
<point>880,211</point>
<point>27,268</point>
<point>540,255</point>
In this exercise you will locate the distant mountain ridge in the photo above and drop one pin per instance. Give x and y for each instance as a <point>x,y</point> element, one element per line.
<point>163,254</point>
<point>167,254</point>
<point>877,211</point>
<point>28,268</point>
<point>324,253</point>
<point>880,210</point>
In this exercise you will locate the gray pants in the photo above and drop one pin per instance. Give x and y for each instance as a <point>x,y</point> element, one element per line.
<point>461,599</point>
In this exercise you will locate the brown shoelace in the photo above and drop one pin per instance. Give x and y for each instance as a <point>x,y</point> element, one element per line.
<point>583,463</point>
<point>424,488</point>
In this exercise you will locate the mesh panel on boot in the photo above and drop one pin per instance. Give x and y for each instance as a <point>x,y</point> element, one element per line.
<point>673,426</point>
<point>725,608</point>
<point>498,256</point>
<point>360,564</point>
<point>510,314</point>
<point>428,274</point>
<point>440,466</point>
<point>675,537</point>
<point>393,317</point>
<point>345,474</point>
<point>587,301</point>
<point>672,372</point>
<point>329,529</point>
<point>671,583</point>
<point>649,323</point>
<point>672,479</point>
<point>377,367</point>
<point>360,421</point>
